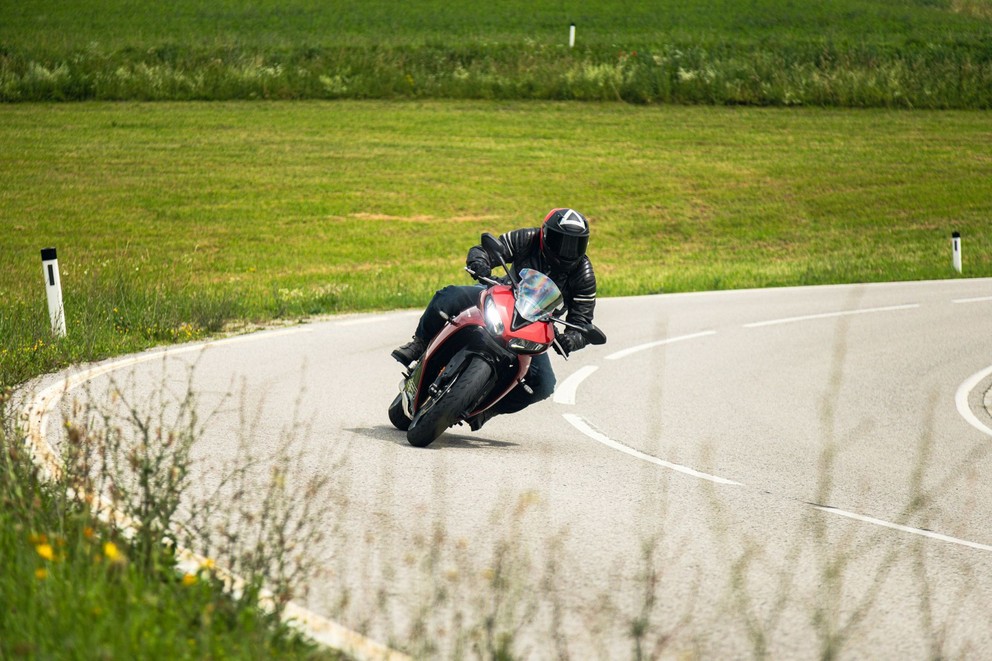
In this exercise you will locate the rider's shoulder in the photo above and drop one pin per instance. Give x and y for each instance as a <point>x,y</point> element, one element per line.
<point>583,271</point>
<point>525,231</point>
<point>523,237</point>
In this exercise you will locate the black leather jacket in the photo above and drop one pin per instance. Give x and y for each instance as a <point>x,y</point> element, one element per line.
<point>578,286</point>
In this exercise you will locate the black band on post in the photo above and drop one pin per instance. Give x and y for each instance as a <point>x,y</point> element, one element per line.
<point>47,254</point>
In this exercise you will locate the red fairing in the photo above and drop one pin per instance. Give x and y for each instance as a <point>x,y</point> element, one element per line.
<point>503,297</point>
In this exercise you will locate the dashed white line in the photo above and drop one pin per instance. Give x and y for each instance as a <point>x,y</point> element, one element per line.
<point>565,393</point>
<point>902,528</point>
<point>250,337</point>
<point>982,299</point>
<point>650,345</point>
<point>827,315</point>
<point>584,427</point>
<point>374,319</point>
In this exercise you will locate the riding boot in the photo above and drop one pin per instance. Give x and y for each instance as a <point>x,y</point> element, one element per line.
<point>410,351</point>
<point>479,419</point>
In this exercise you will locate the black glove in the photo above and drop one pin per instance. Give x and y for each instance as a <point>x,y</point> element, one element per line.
<point>480,269</point>
<point>567,343</point>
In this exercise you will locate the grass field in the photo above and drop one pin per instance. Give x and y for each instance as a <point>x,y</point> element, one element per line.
<point>913,54</point>
<point>171,219</point>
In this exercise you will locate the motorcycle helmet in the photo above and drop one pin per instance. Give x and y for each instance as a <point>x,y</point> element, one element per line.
<point>564,238</point>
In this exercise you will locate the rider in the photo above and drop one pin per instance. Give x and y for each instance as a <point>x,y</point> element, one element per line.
<point>558,249</point>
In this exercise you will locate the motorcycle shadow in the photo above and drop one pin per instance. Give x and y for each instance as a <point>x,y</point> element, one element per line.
<point>450,439</point>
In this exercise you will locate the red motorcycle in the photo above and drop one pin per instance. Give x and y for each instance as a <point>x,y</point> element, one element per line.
<point>483,353</point>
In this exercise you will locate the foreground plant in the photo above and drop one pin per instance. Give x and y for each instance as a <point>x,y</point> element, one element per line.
<point>77,584</point>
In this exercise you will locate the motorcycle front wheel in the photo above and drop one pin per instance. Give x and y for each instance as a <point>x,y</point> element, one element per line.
<point>439,413</point>
<point>396,414</point>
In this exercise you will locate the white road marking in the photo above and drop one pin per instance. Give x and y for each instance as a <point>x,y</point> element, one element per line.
<point>650,345</point>
<point>250,337</point>
<point>360,322</point>
<point>584,427</point>
<point>374,319</point>
<point>902,528</point>
<point>961,400</point>
<point>827,315</point>
<point>565,393</point>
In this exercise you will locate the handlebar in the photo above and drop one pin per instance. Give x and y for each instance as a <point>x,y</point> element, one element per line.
<point>486,279</point>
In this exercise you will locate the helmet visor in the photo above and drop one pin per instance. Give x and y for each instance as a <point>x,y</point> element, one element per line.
<point>567,247</point>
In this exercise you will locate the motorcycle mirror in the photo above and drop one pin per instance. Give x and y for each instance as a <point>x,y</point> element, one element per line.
<point>494,247</point>
<point>593,334</point>
<point>496,250</point>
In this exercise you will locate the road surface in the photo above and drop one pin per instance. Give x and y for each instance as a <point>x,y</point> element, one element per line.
<point>791,472</point>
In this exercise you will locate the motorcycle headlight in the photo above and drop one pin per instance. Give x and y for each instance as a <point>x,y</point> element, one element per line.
<point>493,321</point>
<point>526,346</point>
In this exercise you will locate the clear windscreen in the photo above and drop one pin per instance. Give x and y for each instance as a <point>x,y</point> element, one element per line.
<point>538,297</point>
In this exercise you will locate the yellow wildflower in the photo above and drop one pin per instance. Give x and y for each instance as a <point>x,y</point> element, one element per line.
<point>41,574</point>
<point>45,551</point>
<point>113,553</point>
<point>207,564</point>
<point>189,579</point>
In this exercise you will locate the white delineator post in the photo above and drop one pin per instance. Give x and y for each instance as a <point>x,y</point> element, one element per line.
<point>53,287</point>
<point>956,250</point>
<point>571,35</point>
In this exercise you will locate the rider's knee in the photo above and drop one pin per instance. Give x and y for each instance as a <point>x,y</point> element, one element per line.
<point>442,294</point>
<point>544,388</point>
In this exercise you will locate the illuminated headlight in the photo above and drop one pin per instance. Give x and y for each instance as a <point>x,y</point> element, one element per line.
<point>526,346</point>
<point>493,321</point>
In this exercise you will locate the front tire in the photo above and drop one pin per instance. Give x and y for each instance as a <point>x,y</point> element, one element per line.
<point>397,415</point>
<point>439,414</point>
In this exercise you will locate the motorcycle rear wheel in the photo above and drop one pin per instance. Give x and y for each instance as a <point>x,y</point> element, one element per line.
<point>440,413</point>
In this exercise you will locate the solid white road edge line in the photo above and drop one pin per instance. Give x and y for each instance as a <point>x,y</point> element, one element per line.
<point>565,393</point>
<point>961,400</point>
<point>43,401</point>
<point>584,427</point>
<point>827,315</point>
<point>320,629</point>
<point>650,345</point>
<point>902,528</point>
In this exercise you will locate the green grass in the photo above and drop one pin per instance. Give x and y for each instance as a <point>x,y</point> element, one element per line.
<point>922,54</point>
<point>172,219</point>
<point>288,23</point>
<point>74,588</point>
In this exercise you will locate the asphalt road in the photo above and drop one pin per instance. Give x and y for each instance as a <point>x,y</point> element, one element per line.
<point>790,472</point>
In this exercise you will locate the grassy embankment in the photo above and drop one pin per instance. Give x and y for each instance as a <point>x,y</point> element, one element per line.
<point>916,54</point>
<point>172,220</point>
